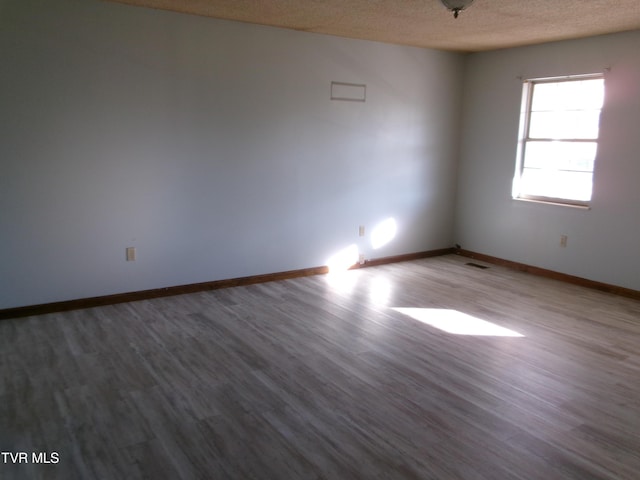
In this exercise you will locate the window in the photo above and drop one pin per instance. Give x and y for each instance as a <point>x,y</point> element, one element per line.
<point>559,124</point>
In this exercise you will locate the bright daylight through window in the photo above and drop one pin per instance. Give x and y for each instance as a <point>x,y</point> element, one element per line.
<point>559,125</point>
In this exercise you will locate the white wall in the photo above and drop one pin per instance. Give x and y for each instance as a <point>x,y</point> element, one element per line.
<point>602,241</point>
<point>210,146</point>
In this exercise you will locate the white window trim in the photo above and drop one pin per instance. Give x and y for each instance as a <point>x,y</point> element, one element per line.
<point>523,138</point>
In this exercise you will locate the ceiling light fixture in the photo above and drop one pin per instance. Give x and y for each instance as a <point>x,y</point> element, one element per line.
<point>456,6</point>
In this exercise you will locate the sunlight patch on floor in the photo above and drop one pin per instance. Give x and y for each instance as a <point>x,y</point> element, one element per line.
<point>456,322</point>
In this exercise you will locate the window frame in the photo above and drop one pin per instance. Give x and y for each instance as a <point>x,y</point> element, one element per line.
<point>524,139</point>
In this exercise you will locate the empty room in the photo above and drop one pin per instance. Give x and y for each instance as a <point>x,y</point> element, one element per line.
<point>319,240</point>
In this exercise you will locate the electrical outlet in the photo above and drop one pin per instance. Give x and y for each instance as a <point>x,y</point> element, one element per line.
<point>361,231</point>
<point>131,254</point>
<point>563,240</point>
<point>361,259</point>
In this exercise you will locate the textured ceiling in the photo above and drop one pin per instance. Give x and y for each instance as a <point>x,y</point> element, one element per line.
<point>485,25</point>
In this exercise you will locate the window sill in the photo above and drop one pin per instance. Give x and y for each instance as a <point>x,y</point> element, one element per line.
<point>550,202</point>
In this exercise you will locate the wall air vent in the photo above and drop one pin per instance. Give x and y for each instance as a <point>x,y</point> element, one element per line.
<point>350,92</point>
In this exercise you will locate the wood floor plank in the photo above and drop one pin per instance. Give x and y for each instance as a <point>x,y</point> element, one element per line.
<point>327,377</point>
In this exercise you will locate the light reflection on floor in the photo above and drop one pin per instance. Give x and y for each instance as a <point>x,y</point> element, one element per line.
<point>379,290</point>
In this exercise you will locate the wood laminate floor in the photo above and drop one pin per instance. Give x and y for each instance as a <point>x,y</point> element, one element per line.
<point>332,377</point>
